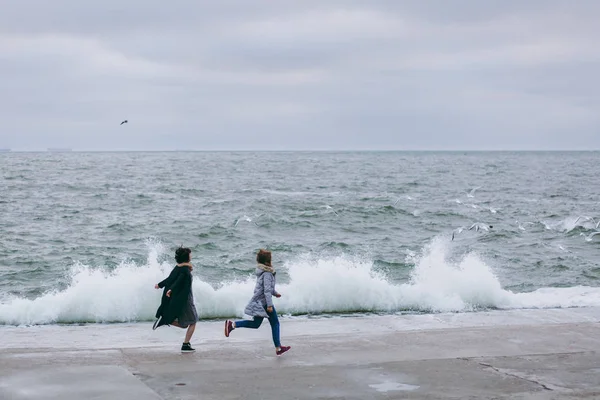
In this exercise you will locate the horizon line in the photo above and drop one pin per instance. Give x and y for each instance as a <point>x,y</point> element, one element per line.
<point>70,150</point>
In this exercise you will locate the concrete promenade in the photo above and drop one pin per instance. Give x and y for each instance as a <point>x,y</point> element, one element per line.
<point>521,354</point>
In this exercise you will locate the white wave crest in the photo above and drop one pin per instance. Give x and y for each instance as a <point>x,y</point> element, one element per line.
<point>316,285</point>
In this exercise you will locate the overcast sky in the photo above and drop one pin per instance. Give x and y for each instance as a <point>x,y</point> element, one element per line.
<point>389,74</point>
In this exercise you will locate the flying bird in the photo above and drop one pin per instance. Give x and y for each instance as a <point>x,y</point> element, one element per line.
<point>245,218</point>
<point>591,236</point>
<point>331,208</point>
<point>124,122</point>
<point>457,231</point>
<point>521,227</point>
<point>472,192</point>
<point>475,227</point>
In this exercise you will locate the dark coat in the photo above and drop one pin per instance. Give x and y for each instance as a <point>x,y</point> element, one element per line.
<point>179,282</point>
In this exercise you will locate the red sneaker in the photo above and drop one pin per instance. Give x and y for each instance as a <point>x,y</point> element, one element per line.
<point>283,350</point>
<point>228,327</point>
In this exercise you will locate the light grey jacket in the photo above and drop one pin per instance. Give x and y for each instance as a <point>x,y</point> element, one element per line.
<point>263,292</point>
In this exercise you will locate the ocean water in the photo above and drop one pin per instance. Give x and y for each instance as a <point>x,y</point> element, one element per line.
<point>85,236</point>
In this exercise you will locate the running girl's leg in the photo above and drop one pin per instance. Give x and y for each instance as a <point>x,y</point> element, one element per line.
<point>244,323</point>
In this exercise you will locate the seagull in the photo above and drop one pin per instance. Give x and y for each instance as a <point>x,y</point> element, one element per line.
<point>124,122</point>
<point>591,236</point>
<point>584,219</point>
<point>457,231</point>
<point>407,197</point>
<point>331,208</point>
<point>472,192</point>
<point>548,227</point>
<point>244,218</point>
<point>521,227</point>
<point>479,225</point>
<point>476,227</point>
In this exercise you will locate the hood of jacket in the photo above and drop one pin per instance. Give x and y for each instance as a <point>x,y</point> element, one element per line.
<point>260,268</point>
<point>258,272</point>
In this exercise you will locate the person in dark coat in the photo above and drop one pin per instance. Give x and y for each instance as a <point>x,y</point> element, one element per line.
<point>177,303</point>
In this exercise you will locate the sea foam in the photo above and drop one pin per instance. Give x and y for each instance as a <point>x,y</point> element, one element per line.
<point>316,285</point>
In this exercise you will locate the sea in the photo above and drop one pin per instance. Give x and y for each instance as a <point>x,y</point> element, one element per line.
<point>85,236</point>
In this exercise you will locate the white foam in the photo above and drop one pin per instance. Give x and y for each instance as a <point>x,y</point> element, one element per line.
<point>317,285</point>
<point>125,294</point>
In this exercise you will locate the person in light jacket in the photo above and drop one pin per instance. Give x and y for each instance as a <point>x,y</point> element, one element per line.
<point>261,304</point>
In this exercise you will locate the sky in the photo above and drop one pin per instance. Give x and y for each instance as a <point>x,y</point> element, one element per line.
<point>300,75</point>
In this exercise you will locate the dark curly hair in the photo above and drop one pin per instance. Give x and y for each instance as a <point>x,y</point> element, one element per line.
<point>182,255</point>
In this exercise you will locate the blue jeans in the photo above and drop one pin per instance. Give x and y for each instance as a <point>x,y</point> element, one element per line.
<point>256,321</point>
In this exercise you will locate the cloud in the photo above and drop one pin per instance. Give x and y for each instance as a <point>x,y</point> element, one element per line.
<point>309,75</point>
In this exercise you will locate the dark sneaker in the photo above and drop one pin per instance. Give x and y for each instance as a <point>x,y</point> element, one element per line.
<point>156,323</point>
<point>283,350</point>
<point>228,327</point>
<point>187,348</point>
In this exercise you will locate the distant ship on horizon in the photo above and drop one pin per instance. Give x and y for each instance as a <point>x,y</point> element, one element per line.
<point>59,149</point>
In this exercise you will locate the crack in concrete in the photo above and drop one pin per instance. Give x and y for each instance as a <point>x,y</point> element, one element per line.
<point>140,376</point>
<point>560,353</point>
<point>525,378</point>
